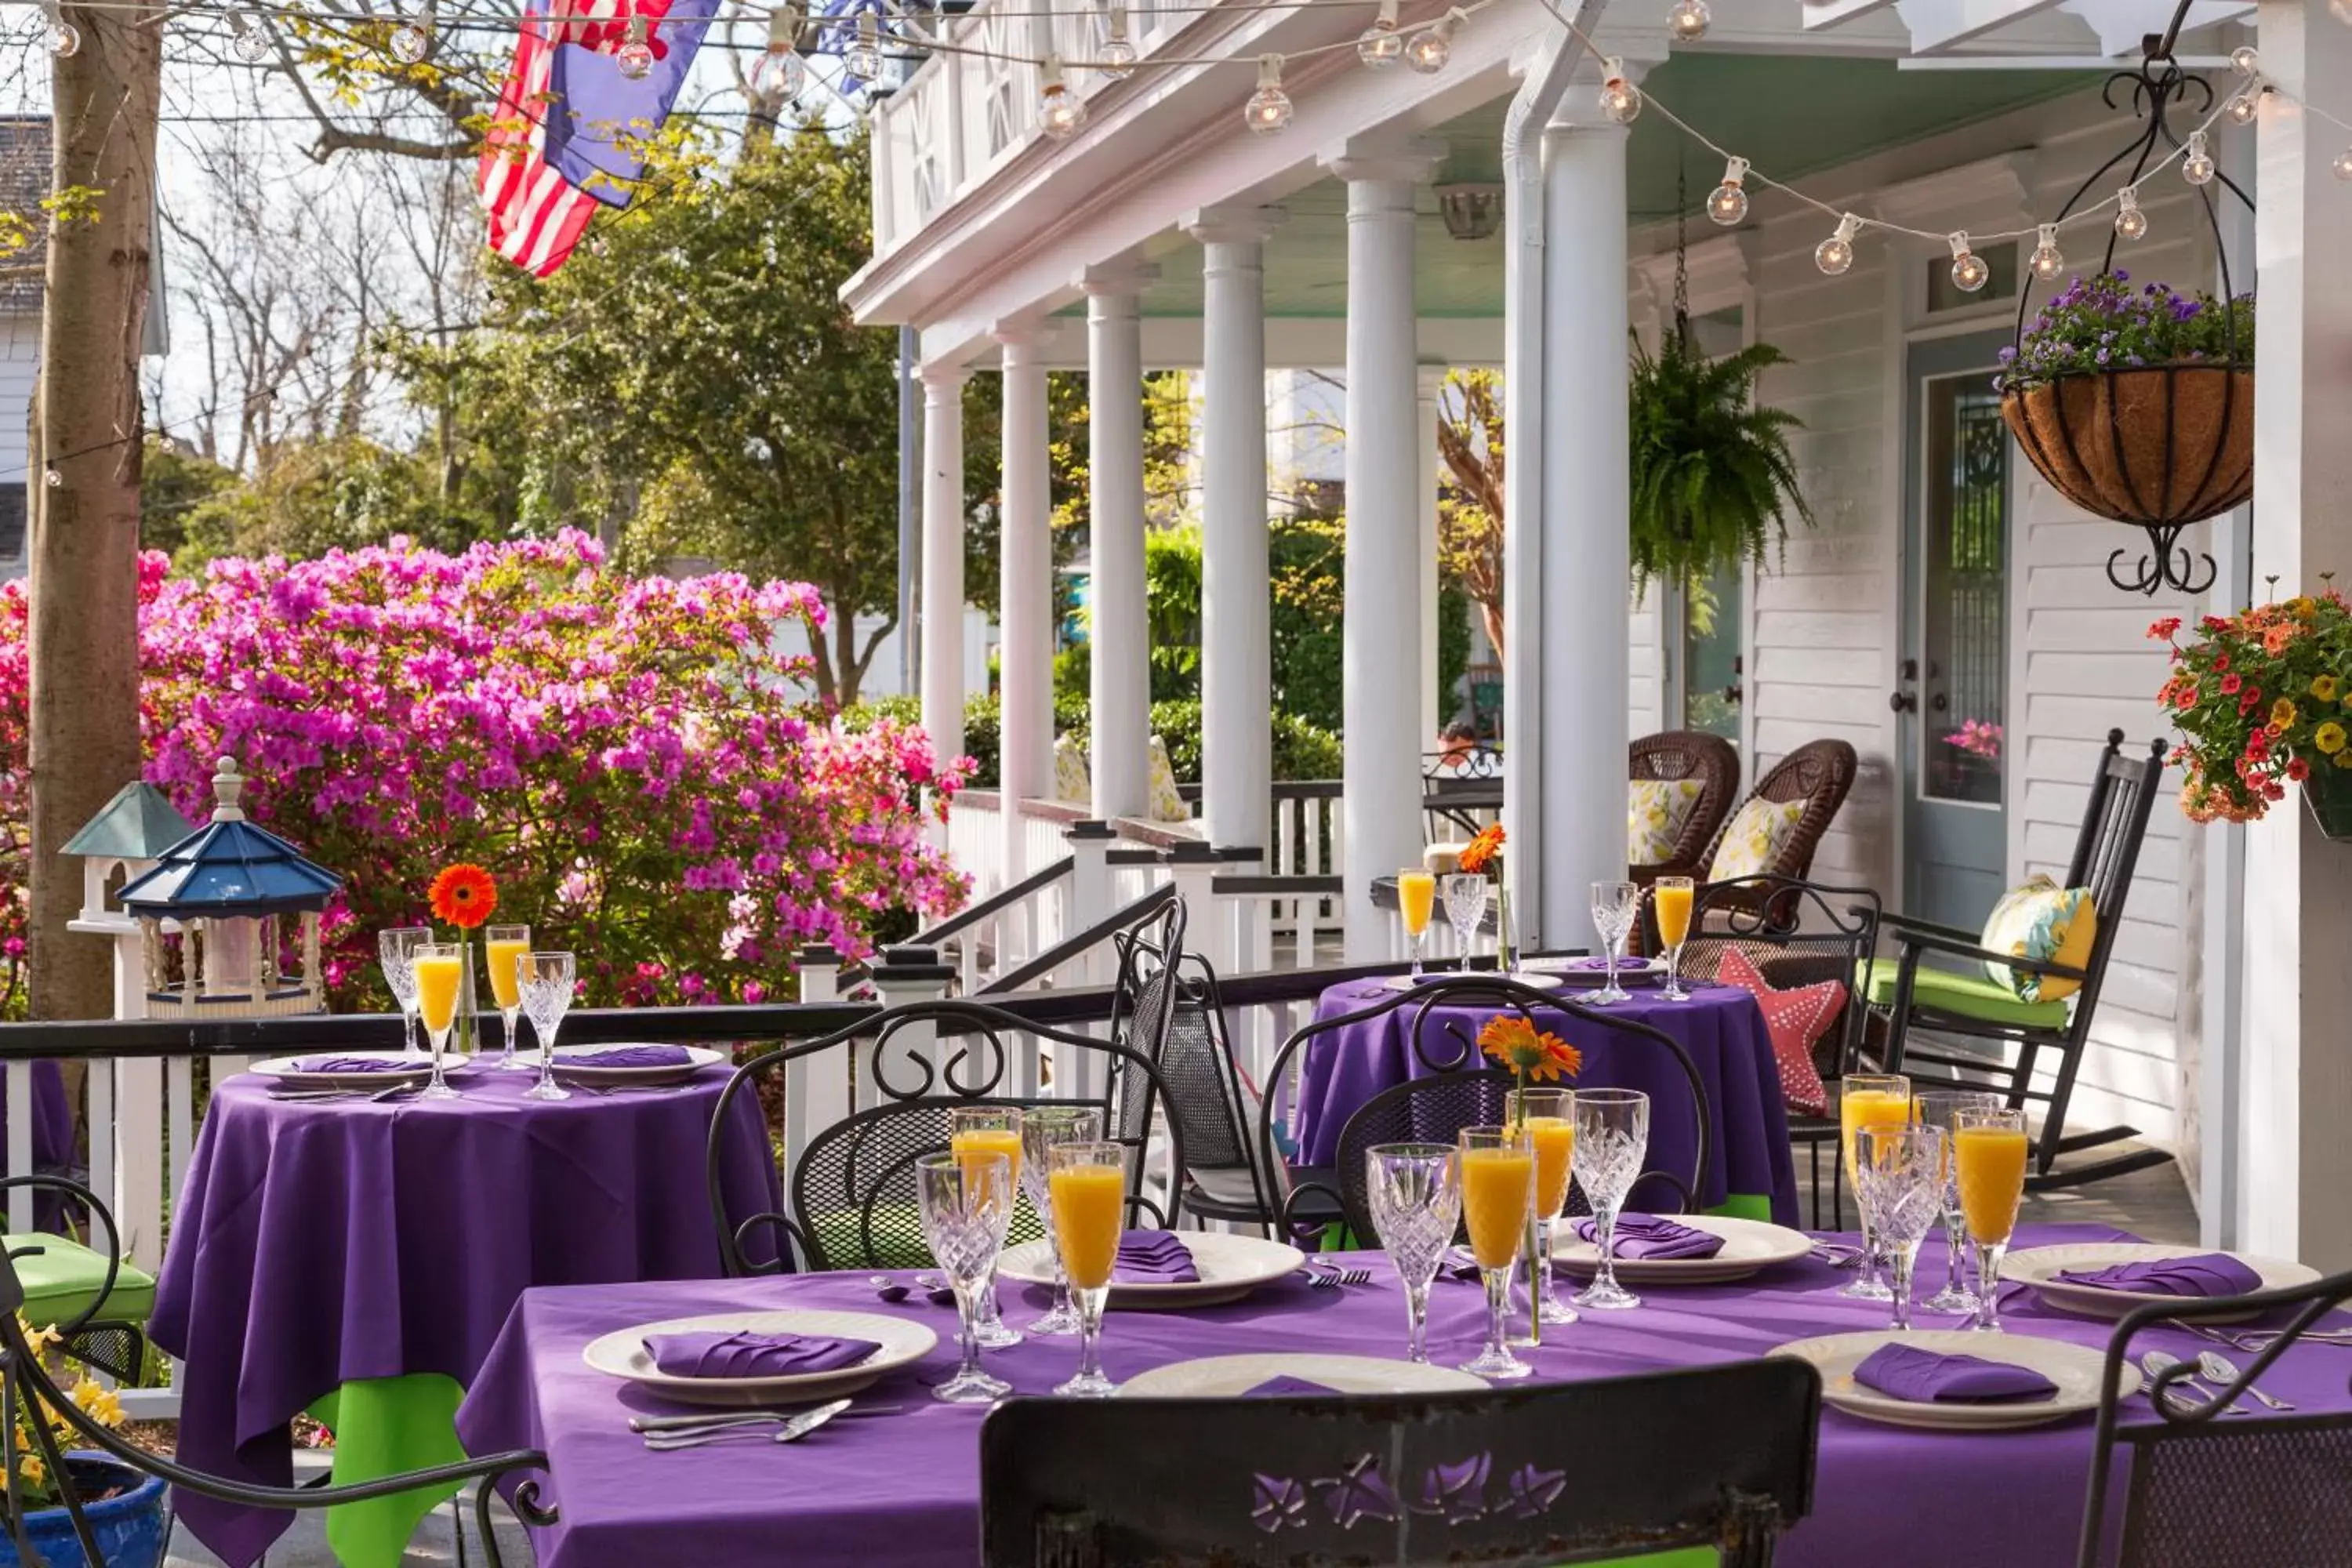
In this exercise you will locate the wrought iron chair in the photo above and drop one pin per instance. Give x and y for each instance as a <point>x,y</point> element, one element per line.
<point>851,1201</point>
<point>26,1386</point>
<point>1911,996</point>
<point>2203,1492</point>
<point>1222,1178</point>
<point>1674,756</point>
<point>1573,1472</point>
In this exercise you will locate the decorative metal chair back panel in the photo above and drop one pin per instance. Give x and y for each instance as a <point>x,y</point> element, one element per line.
<point>851,1203</point>
<point>1577,1472</point>
<point>1143,1003</point>
<point>1206,1097</point>
<point>1796,933</point>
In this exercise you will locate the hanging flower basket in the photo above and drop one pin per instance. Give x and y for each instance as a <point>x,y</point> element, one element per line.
<point>2162,446</point>
<point>2329,795</point>
<point>2263,703</point>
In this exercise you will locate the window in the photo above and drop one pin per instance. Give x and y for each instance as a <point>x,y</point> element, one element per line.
<point>12,523</point>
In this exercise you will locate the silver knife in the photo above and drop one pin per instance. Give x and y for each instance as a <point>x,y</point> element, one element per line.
<point>792,1431</point>
<point>675,1424</point>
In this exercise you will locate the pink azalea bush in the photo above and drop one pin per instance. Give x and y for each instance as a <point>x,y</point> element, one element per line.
<point>647,777</point>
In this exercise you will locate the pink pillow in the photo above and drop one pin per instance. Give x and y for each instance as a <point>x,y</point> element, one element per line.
<point>1796,1018</point>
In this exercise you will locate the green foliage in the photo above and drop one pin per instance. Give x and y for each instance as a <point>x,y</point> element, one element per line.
<point>2102,324</point>
<point>1712,478</point>
<point>335,493</point>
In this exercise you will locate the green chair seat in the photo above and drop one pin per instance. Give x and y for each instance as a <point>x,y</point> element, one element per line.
<point>65,1277</point>
<point>1976,996</point>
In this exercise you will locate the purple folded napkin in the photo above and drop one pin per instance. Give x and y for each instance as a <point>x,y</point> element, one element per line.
<point>1153,1257</point>
<point>1648,1236</point>
<point>1626,965</point>
<point>739,1354</point>
<point>938,1295</point>
<point>1904,1371</point>
<point>2204,1274</point>
<point>352,1064</point>
<point>628,1057</point>
<point>1288,1387</point>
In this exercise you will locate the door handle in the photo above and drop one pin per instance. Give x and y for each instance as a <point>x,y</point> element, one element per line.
<point>1904,702</point>
<point>1732,694</point>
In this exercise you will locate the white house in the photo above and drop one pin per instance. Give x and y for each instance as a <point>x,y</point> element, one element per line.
<point>1944,583</point>
<point>24,181</point>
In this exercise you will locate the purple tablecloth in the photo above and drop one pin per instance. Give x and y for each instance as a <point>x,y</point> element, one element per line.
<point>321,1243</point>
<point>901,1490</point>
<point>1721,1027</point>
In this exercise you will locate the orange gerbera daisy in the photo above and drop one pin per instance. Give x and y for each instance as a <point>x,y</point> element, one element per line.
<point>1480,852</point>
<point>463,895</point>
<point>1516,1043</point>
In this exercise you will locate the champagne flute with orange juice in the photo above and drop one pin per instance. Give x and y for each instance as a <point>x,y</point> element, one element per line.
<point>1548,1115</point>
<point>1988,1152</point>
<point>1670,898</point>
<point>503,948</point>
<point>1869,1099</point>
<point>1044,1129</point>
<point>1498,1177</point>
<point>975,1131</point>
<point>439,967</point>
<point>1417,902</point>
<point>964,1203</point>
<point>1940,1108</point>
<point>1089,1196</point>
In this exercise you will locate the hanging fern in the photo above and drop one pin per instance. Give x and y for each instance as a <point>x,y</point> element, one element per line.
<point>1713,480</point>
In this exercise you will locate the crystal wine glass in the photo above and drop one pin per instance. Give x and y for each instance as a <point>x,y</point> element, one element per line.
<point>396,947</point>
<point>1416,890</point>
<point>1941,1107</point>
<point>1044,1129</point>
<point>965,1203</point>
<point>1465,906</point>
<point>984,1128</point>
<point>1499,1178</point>
<point>502,951</point>
<point>1899,1183</point>
<point>1614,905</point>
<point>1548,1115</point>
<point>439,967</point>
<point>546,984</point>
<point>1090,1187</point>
<point>1613,1140</point>
<point>1988,1152</point>
<point>1415,1191</point>
<point>1869,1099</point>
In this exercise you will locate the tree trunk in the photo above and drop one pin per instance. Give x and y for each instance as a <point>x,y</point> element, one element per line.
<point>84,638</point>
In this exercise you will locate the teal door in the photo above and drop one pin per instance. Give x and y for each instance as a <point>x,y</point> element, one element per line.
<point>1951,696</point>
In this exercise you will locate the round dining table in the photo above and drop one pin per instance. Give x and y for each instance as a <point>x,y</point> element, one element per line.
<point>355,1258</point>
<point>1750,1172</point>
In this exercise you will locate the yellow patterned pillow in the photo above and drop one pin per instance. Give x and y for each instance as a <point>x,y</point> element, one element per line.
<point>1166,805</point>
<point>2047,923</point>
<point>1655,811</point>
<point>1072,781</point>
<point>1753,840</point>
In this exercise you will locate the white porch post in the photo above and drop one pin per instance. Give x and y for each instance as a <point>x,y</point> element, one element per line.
<point>2297,1083</point>
<point>1432,708</point>
<point>1120,721</point>
<point>1025,612</point>
<point>1380,812</point>
<point>1237,648</point>
<point>942,608</point>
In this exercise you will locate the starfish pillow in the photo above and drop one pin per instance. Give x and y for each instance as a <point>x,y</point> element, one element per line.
<point>1796,1017</point>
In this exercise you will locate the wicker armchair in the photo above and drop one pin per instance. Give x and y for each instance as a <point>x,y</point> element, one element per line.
<point>1820,773</point>
<point>1687,754</point>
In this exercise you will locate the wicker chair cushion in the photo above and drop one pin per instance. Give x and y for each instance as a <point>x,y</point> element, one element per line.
<point>1751,845</point>
<point>1655,811</point>
<point>1796,1018</point>
<point>1072,780</point>
<point>1166,804</point>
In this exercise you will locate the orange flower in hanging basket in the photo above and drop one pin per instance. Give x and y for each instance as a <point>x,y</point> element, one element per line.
<point>463,896</point>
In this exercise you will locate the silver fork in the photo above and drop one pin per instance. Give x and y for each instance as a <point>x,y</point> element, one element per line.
<point>792,1431</point>
<point>1330,1276</point>
<point>669,1426</point>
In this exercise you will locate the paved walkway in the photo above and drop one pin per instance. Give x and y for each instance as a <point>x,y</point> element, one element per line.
<point>304,1545</point>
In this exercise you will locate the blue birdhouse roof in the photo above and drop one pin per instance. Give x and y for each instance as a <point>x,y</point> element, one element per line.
<point>230,866</point>
<point>139,823</point>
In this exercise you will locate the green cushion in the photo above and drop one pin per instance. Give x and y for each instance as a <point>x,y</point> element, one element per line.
<point>1970,996</point>
<point>65,1277</point>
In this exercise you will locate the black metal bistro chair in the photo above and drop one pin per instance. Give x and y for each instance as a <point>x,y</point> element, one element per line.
<point>1574,1472</point>
<point>1222,1178</point>
<point>1915,997</point>
<point>26,1386</point>
<point>2200,1491</point>
<point>851,1198</point>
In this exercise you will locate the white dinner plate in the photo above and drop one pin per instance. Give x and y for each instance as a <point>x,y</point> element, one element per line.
<point>1537,979</point>
<point>622,1354</point>
<point>415,1067</point>
<point>1749,1247</point>
<point>1225,1376</point>
<point>2039,1266</point>
<point>1231,1267</point>
<point>2075,1369</point>
<point>568,1065</point>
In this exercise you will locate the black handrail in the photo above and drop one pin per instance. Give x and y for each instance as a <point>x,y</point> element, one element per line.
<point>1063,952</point>
<point>995,903</point>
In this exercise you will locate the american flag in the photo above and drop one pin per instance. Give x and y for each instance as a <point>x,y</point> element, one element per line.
<point>536,215</point>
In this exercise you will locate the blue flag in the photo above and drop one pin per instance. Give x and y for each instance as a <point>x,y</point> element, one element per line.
<point>597,115</point>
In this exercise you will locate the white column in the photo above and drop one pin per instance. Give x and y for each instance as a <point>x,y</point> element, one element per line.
<point>1120,721</point>
<point>2297,1084</point>
<point>1380,812</point>
<point>1237,648</point>
<point>1025,609</point>
<point>942,607</point>
<point>1433,709</point>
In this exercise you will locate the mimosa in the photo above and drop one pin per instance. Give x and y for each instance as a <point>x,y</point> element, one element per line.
<point>1859,1108</point>
<point>1555,1140</point>
<point>1495,1186</point>
<point>436,991</point>
<point>1417,900</point>
<point>1673,910</point>
<point>1991,1163</point>
<point>504,957</point>
<point>1089,1210</point>
<point>972,1142</point>
<point>1870,1099</point>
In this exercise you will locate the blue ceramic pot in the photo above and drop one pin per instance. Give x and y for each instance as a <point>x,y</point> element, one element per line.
<point>130,1528</point>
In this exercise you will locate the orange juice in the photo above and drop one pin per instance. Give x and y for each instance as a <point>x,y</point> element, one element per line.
<point>505,962</point>
<point>1860,1108</point>
<point>1089,1212</point>
<point>1992,1168</point>
<point>1003,1140</point>
<point>1416,898</point>
<point>436,991</point>
<point>1555,1140</point>
<point>1673,912</point>
<point>1495,1186</point>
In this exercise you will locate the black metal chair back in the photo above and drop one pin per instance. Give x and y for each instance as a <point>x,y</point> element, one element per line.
<point>853,1202</point>
<point>26,1390</point>
<point>1207,1100</point>
<point>1796,933</point>
<point>2107,852</point>
<point>2202,1491</point>
<point>1574,1472</point>
<point>1144,1001</point>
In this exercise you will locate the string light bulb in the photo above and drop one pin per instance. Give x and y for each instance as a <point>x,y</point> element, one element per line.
<point>1379,46</point>
<point>2197,164</point>
<point>2246,60</point>
<point>410,42</point>
<point>1688,20</point>
<point>636,55</point>
<point>863,59</point>
<point>2343,164</point>
<point>1968,270</point>
<point>1116,58</point>
<point>249,42</point>
<point>1268,108</point>
<point>1061,112</point>
<point>1428,50</point>
<point>51,478</point>
<point>2047,263</point>
<point>2130,222</point>
<point>63,38</point>
<point>2243,108</point>
<point>1728,203</point>
<point>1620,101</point>
<point>778,72</point>
<point>1836,254</point>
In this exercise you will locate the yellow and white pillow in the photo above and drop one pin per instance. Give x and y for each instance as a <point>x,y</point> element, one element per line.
<point>1163,801</point>
<point>1655,811</point>
<point>1072,780</point>
<point>2047,923</point>
<point>1752,842</point>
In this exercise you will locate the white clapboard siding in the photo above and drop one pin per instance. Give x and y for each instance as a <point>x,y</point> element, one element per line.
<point>1645,690</point>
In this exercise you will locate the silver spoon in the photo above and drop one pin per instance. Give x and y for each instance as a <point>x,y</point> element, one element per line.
<point>2156,1362</point>
<point>2220,1369</point>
